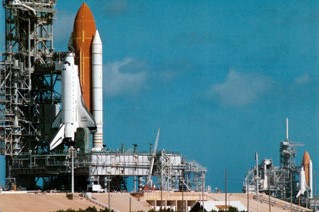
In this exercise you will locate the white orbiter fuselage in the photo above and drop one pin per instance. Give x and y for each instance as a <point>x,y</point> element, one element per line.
<point>74,114</point>
<point>302,183</point>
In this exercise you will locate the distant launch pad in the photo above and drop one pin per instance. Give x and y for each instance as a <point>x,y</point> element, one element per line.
<point>289,181</point>
<point>52,103</point>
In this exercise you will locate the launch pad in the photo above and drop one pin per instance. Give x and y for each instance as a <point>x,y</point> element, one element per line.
<point>30,99</point>
<point>171,171</point>
<point>289,181</point>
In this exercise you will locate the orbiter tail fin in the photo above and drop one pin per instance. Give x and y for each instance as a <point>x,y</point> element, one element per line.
<point>58,138</point>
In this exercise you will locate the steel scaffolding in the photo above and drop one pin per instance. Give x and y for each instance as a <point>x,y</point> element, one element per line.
<point>280,182</point>
<point>98,166</point>
<point>28,55</point>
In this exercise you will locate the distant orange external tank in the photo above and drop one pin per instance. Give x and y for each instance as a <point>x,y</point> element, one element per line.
<point>82,37</point>
<point>306,165</point>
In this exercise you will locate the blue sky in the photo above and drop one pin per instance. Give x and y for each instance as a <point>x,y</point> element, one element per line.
<point>218,77</point>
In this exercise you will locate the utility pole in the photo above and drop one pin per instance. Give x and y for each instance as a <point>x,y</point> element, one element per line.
<point>71,153</point>
<point>269,200</point>
<point>109,192</point>
<point>182,180</point>
<point>315,193</point>
<point>202,190</point>
<point>105,184</point>
<point>247,191</point>
<point>161,196</point>
<point>290,190</point>
<point>226,207</point>
<point>257,181</point>
<point>161,181</point>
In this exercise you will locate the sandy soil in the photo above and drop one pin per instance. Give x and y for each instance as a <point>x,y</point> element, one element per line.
<point>51,202</point>
<point>41,202</point>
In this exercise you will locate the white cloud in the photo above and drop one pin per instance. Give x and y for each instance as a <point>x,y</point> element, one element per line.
<point>63,27</point>
<point>115,7</point>
<point>125,77</point>
<point>240,88</point>
<point>302,79</point>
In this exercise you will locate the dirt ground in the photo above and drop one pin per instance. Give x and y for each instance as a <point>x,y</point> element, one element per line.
<point>51,202</point>
<point>124,202</point>
<point>41,202</point>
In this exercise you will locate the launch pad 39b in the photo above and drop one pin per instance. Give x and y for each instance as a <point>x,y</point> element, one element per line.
<point>171,171</point>
<point>48,117</point>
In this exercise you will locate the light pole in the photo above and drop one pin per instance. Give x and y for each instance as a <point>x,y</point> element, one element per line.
<point>130,208</point>
<point>226,207</point>
<point>182,193</point>
<point>109,192</point>
<point>161,181</point>
<point>161,194</point>
<point>105,184</point>
<point>203,189</point>
<point>269,199</point>
<point>71,154</point>
<point>290,190</point>
<point>247,191</point>
<point>315,192</point>
<point>257,181</point>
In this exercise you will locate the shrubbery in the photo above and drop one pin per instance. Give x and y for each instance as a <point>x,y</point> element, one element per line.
<point>89,209</point>
<point>93,209</point>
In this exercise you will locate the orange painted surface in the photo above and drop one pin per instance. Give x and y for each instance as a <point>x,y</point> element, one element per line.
<point>306,162</point>
<point>82,37</point>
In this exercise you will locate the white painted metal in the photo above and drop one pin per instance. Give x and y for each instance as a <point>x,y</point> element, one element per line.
<point>124,165</point>
<point>287,130</point>
<point>257,181</point>
<point>310,180</point>
<point>97,91</point>
<point>302,186</point>
<point>266,174</point>
<point>74,114</point>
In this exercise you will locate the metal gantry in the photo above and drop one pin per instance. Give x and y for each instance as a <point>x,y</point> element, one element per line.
<point>28,56</point>
<point>175,173</point>
<point>280,182</point>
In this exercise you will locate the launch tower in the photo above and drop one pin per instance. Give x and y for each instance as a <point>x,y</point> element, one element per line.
<point>27,78</point>
<point>284,181</point>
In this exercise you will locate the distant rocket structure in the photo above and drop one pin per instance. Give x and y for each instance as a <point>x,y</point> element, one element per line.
<point>306,176</point>
<point>88,66</point>
<point>307,165</point>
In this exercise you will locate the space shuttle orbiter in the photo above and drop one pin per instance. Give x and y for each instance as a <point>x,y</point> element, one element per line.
<point>74,113</point>
<point>306,176</point>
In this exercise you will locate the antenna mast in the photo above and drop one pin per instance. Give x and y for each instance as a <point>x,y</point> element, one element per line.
<point>287,130</point>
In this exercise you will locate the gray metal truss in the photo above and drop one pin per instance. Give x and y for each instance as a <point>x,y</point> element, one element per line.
<point>26,74</point>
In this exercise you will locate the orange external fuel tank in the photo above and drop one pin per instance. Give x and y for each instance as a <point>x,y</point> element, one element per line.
<point>306,162</point>
<point>82,37</point>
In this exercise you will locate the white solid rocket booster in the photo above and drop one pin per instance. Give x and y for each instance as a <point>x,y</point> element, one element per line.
<point>97,91</point>
<point>310,180</point>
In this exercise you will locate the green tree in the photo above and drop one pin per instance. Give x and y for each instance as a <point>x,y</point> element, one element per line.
<point>89,209</point>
